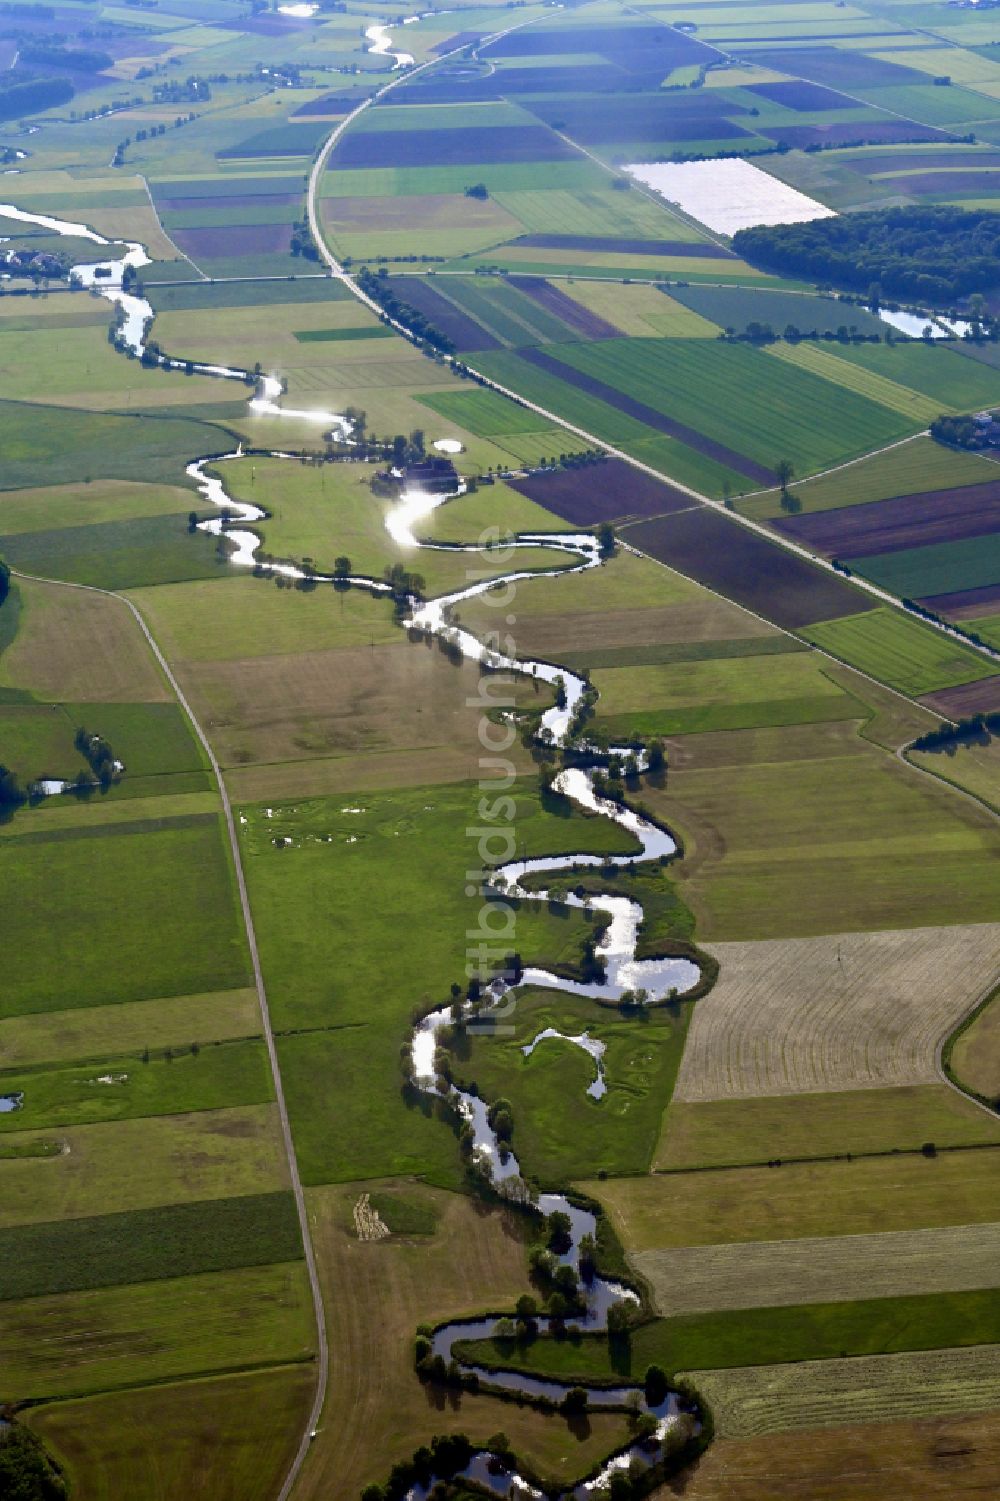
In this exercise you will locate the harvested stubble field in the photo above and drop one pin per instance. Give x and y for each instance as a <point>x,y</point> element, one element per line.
<point>933,1457</point>
<point>190,1438</point>
<point>843,1268</point>
<point>826,1393</point>
<point>836,1012</point>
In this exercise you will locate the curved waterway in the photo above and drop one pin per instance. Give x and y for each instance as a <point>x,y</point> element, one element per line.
<point>624,971</point>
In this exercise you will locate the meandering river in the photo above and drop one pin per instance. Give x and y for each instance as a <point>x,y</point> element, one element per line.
<point>621,916</point>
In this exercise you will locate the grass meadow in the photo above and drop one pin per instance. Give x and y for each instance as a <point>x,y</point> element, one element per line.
<point>188,1438</point>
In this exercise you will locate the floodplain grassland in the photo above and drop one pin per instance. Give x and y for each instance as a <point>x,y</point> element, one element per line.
<point>565,1131</point>
<point>190,1438</point>
<point>841,1011</point>
<point>170,1083</point>
<point>85,504</point>
<point>73,1343</point>
<point>321,512</point>
<point>899,650</point>
<point>866,1196</point>
<point>375,1405</point>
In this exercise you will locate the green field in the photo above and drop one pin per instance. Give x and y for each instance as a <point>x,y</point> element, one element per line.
<point>911,468</point>
<point>716,1133</point>
<point>958,384</point>
<point>734,693</point>
<point>485,413</point>
<point>899,650</point>
<point>755,1336</point>
<point>145,1245</point>
<point>919,572</point>
<point>164,1083</point>
<point>189,1439</point>
<point>151,1331</point>
<point>740,397</point>
<point>173,933</point>
<point>142,1164</point>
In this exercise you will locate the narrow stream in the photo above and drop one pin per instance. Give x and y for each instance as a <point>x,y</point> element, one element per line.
<point>624,971</point>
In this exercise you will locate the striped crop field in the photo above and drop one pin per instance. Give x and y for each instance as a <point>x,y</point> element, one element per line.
<point>866,383</point>
<point>872,1389</point>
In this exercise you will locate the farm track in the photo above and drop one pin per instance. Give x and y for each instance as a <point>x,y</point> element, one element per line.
<point>322,1352</point>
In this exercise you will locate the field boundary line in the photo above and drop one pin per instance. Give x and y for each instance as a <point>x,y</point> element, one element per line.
<point>169,238</point>
<point>322,1350</point>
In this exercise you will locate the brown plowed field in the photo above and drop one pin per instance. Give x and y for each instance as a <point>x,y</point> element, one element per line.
<point>980,697</point>
<point>905,521</point>
<point>935,1458</point>
<point>234,239</point>
<point>602,492</point>
<point>470,146</point>
<point>464,332</point>
<point>649,415</point>
<point>967,604</point>
<point>747,568</point>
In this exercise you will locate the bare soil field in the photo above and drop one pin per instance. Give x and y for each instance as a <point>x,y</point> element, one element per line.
<point>463,330</point>
<point>74,645</point>
<point>837,1269</point>
<point>602,492</point>
<point>555,300</point>
<point>843,1011</point>
<point>930,1457</point>
<point>827,1393</point>
<point>906,521</point>
<point>980,697</point>
<point>747,568</point>
<point>967,604</point>
<point>376,1405</point>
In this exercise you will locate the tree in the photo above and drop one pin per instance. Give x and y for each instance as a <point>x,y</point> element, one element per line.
<point>560,1232</point>
<point>574,1402</point>
<point>784,473</point>
<point>342,567</point>
<point>656,1385</point>
<point>606,542</point>
<point>26,1472</point>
